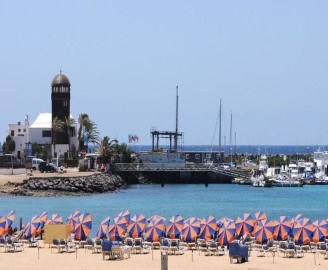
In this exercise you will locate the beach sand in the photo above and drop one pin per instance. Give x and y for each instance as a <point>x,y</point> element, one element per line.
<point>28,259</point>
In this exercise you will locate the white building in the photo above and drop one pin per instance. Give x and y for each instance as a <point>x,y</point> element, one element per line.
<point>40,133</point>
<point>20,134</point>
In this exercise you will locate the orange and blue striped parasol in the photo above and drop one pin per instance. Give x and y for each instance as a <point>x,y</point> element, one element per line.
<point>208,227</point>
<point>126,215</point>
<point>32,227</point>
<point>82,226</point>
<point>43,220</point>
<point>9,220</point>
<point>174,228</point>
<point>155,230</point>
<point>190,230</point>
<point>303,231</point>
<point>260,216</point>
<point>72,218</point>
<point>245,224</point>
<point>118,229</point>
<point>3,222</point>
<point>103,228</point>
<point>283,229</point>
<point>156,217</point>
<point>55,219</point>
<point>320,231</point>
<point>137,226</point>
<point>227,232</point>
<point>297,218</point>
<point>263,230</point>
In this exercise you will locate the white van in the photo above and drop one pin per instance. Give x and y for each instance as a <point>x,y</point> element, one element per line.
<point>35,163</point>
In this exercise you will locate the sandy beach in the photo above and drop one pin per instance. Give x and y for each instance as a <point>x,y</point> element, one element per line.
<point>28,259</point>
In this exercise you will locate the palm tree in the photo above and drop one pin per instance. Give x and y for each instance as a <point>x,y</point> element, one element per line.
<point>83,123</point>
<point>69,122</point>
<point>106,148</point>
<point>57,127</point>
<point>92,133</point>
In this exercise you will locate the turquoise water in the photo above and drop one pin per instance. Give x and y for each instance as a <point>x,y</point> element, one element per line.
<point>219,200</point>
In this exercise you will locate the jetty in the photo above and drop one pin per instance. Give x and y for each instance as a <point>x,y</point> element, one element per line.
<point>160,173</point>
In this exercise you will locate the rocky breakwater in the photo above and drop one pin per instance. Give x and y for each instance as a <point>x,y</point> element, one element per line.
<point>65,186</point>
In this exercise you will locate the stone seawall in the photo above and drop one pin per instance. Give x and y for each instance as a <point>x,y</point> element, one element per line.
<point>65,186</point>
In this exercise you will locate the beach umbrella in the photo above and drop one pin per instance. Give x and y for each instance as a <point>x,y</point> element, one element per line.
<point>244,224</point>
<point>174,228</point>
<point>3,221</point>
<point>260,216</point>
<point>283,229</point>
<point>43,219</point>
<point>9,220</point>
<point>302,231</point>
<point>82,227</point>
<point>156,217</point>
<point>103,228</point>
<point>118,229</point>
<point>126,215</point>
<point>31,228</point>
<point>190,229</point>
<point>55,219</point>
<point>137,226</point>
<point>72,218</point>
<point>208,227</point>
<point>263,230</point>
<point>155,230</point>
<point>226,233</point>
<point>320,231</point>
<point>297,218</point>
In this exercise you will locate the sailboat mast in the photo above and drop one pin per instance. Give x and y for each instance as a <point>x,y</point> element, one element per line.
<point>230,139</point>
<point>176,120</point>
<point>220,130</point>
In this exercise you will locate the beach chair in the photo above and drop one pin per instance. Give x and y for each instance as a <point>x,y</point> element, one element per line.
<point>290,251</point>
<point>9,245</point>
<point>106,248</point>
<point>202,246</point>
<point>322,249</point>
<point>97,246</point>
<point>33,242</point>
<point>212,247</point>
<point>260,251</point>
<point>175,247</point>
<point>89,245</point>
<point>137,246</point>
<point>57,245</point>
<point>70,247</point>
<point>2,242</point>
<point>165,244</point>
<point>282,248</point>
<point>117,252</point>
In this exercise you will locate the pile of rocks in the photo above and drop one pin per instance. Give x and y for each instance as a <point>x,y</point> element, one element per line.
<point>65,186</point>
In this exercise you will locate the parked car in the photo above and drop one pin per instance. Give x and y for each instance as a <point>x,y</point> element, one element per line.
<point>47,167</point>
<point>36,162</point>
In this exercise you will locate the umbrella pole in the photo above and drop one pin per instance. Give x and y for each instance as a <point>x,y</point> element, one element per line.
<point>75,253</point>
<point>152,254</point>
<point>38,253</point>
<point>315,260</point>
<point>192,255</point>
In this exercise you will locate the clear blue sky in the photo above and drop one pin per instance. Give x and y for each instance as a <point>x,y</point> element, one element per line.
<point>267,60</point>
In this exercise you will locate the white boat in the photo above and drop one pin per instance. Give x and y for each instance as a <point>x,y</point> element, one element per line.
<point>283,180</point>
<point>257,179</point>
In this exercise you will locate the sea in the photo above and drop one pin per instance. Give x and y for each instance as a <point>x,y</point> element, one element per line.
<point>218,200</point>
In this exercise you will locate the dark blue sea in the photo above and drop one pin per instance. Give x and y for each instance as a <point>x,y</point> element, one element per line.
<point>243,149</point>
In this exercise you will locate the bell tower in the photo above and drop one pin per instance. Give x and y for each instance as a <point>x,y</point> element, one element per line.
<point>61,97</point>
